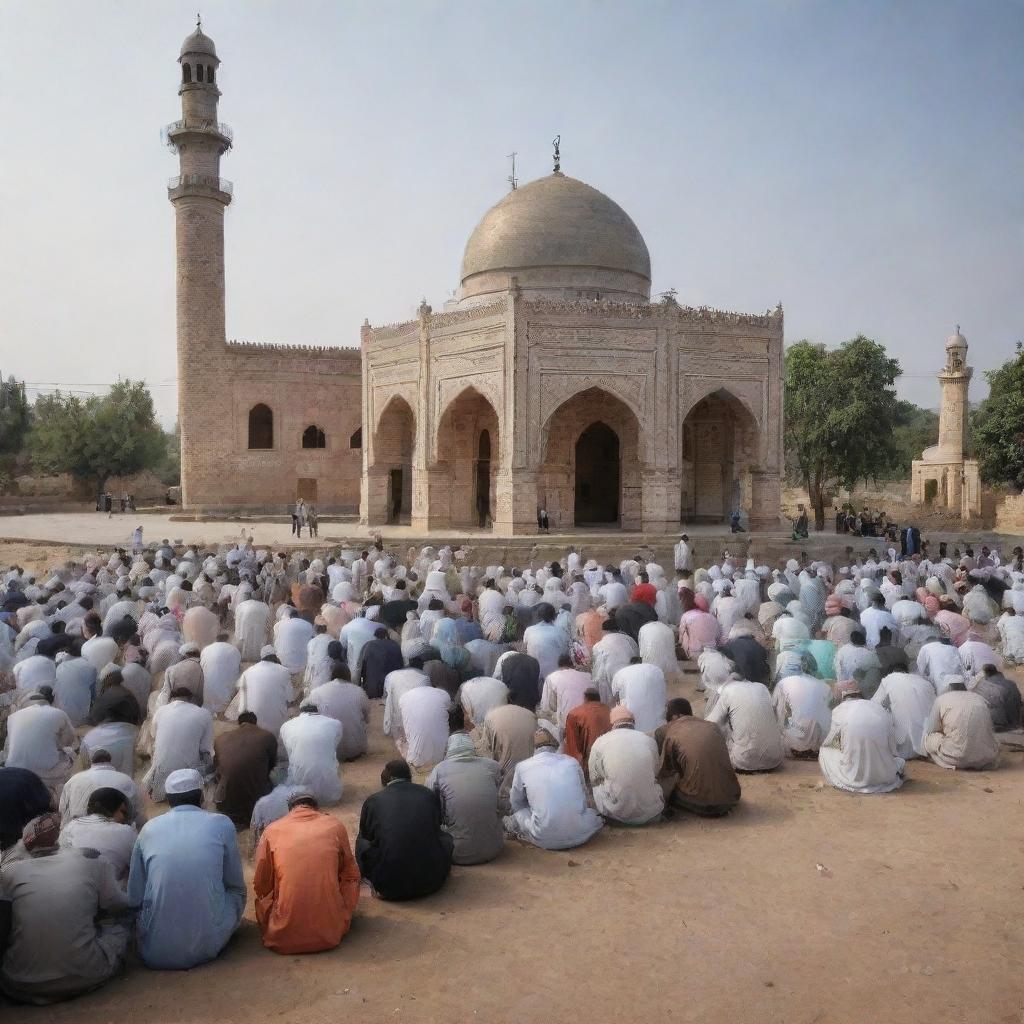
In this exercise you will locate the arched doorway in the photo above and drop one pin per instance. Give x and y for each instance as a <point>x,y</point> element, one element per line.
<point>592,463</point>
<point>719,448</point>
<point>463,474</point>
<point>483,478</point>
<point>597,476</point>
<point>391,467</point>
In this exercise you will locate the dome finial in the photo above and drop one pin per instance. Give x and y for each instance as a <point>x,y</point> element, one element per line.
<point>199,22</point>
<point>558,156</point>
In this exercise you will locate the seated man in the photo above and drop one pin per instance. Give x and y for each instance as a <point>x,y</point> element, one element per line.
<point>549,799</point>
<point>311,741</point>
<point>909,698</point>
<point>306,881</point>
<point>803,706</point>
<point>104,828</point>
<point>23,796</point>
<point>859,754</point>
<point>1001,695</point>
<point>623,768</point>
<point>584,724</point>
<point>101,774</point>
<point>343,700</point>
<point>642,689</point>
<point>745,715</point>
<point>959,731</point>
<point>186,874</point>
<point>695,766</point>
<point>182,739</point>
<point>424,712</point>
<point>402,850</point>
<point>467,786</point>
<point>243,759</point>
<point>41,738</point>
<point>59,945</point>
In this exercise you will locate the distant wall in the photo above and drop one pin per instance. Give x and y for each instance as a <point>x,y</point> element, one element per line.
<point>1010,514</point>
<point>144,486</point>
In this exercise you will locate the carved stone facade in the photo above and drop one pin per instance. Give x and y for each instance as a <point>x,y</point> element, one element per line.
<point>943,476</point>
<point>633,415</point>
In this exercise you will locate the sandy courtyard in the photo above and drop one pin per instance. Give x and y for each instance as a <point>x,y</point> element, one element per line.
<point>805,906</point>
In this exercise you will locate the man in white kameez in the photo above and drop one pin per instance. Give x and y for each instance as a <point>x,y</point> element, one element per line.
<point>682,555</point>
<point>641,688</point>
<point>311,742</point>
<point>252,628</point>
<point>291,640</point>
<point>803,707</point>
<point>425,725</point>
<point>396,685</point>
<point>265,689</point>
<point>1011,636</point>
<point>41,738</point>
<point>101,774</point>
<point>745,715</point>
<point>959,731</point>
<point>545,641</point>
<point>221,663</point>
<point>182,738</point>
<point>480,695</point>
<point>563,690</point>
<point>859,754</point>
<point>909,698</point>
<point>623,767</point>
<point>657,643</point>
<point>615,650</point>
<point>937,661</point>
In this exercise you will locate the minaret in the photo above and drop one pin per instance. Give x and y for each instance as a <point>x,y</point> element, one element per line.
<point>955,378</point>
<point>199,196</point>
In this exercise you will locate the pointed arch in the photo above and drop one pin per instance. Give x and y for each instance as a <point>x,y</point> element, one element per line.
<point>314,437</point>
<point>261,427</point>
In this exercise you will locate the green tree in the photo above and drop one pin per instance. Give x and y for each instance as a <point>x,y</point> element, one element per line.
<point>110,435</point>
<point>15,416</point>
<point>169,466</point>
<point>841,411</point>
<point>998,425</point>
<point>916,429</point>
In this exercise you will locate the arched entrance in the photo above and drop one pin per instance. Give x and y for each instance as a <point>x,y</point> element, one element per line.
<point>597,476</point>
<point>393,443</point>
<point>719,448</point>
<point>592,462</point>
<point>463,476</point>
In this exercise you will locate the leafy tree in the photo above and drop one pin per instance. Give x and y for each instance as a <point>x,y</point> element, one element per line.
<point>169,466</point>
<point>841,411</point>
<point>916,429</point>
<point>110,435</point>
<point>15,416</point>
<point>998,425</point>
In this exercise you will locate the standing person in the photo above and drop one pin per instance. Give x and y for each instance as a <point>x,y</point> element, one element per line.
<point>683,555</point>
<point>137,543</point>
<point>55,949</point>
<point>623,771</point>
<point>313,519</point>
<point>695,766</point>
<point>186,876</point>
<point>402,849</point>
<point>306,880</point>
<point>467,786</point>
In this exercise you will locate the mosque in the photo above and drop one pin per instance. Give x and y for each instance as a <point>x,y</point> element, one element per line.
<point>550,381</point>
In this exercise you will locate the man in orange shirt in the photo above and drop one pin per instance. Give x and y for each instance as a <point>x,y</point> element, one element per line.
<point>306,881</point>
<point>584,724</point>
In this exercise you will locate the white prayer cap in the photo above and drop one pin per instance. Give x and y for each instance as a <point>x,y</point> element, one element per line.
<point>186,649</point>
<point>267,651</point>
<point>792,565</point>
<point>184,780</point>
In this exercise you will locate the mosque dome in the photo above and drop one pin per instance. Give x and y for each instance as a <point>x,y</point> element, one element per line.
<point>560,238</point>
<point>956,340</point>
<point>199,42</point>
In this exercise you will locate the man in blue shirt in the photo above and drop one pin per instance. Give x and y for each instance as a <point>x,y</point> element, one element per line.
<point>186,879</point>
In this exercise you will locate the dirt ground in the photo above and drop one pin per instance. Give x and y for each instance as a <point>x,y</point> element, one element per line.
<point>805,906</point>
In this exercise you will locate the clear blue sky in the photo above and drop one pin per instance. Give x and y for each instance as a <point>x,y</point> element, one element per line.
<point>861,162</point>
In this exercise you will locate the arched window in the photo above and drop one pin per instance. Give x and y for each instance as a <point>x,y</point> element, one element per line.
<point>356,440</point>
<point>199,72</point>
<point>186,73</point>
<point>484,447</point>
<point>261,427</point>
<point>314,437</point>
<point>209,72</point>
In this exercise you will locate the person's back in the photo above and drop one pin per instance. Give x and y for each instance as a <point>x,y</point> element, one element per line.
<point>349,704</point>
<point>909,698</point>
<point>549,800</point>
<point>402,849</point>
<point>642,689</point>
<point>243,759</point>
<point>56,949</point>
<point>265,690</point>
<point>311,741</point>
<point>803,708</point>
<point>623,768</point>
<point>694,755</point>
<point>859,754</point>
<point>467,787</point>
<point>306,882</point>
<point>959,731</point>
<point>745,714</point>
<point>186,878</point>
<point>425,723</point>
<point>1001,696</point>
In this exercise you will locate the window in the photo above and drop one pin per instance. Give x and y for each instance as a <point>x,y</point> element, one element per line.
<point>209,72</point>
<point>186,73</point>
<point>356,440</point>
<point>261,427</point>
<point>314,437</point>
<point>199,72</point>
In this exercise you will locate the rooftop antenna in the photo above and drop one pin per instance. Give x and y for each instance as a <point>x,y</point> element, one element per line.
<point>558,156</point>
<point>512,177</point>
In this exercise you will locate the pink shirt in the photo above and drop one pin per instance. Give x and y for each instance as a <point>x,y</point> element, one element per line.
<point>698,630</point>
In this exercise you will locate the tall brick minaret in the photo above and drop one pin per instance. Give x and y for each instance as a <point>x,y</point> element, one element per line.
<point>199,196</point>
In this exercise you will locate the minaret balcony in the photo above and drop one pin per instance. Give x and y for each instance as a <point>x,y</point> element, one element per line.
<point>200,185</point>
<point>174,133</point>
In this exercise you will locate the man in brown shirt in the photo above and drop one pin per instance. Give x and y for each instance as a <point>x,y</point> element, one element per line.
<point>584,725</point>
<point>695,772</point>
<point>243,760</point>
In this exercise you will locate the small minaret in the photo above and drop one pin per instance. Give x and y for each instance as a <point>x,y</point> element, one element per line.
<point>955,379</point>
<point>199,196</point>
